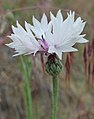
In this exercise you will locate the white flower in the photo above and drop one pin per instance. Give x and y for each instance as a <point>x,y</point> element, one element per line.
<point>65,33</point>
<point>24,42</point>
<point>56,36</point>
<point>40,28</point>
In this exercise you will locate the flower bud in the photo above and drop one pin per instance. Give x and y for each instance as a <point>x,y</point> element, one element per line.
<point>53,65</point>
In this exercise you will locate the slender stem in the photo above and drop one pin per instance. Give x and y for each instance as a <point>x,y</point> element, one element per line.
<point>55,96</point>
<point>28,98</point>
<point>37,111</point>
<point>27,89</point>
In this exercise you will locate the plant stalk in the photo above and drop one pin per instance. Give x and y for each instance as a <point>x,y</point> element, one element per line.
<point>55,96</point>
<point>27,89</point>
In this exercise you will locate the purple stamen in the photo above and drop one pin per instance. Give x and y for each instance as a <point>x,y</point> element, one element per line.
<point>43,44</point>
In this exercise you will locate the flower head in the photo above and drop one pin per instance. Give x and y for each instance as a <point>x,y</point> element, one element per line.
<point>56,36</point>
<point>65,33</point>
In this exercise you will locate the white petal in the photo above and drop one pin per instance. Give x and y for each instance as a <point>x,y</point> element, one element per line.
<point>44,20</point>
<point>59,16</point>
<point>23,43</point>
<point>49,38</point>
<point>49,28</point>
<point>68,49</point>
<point>52,16</point>
<point>71,15</point>
<point>27,26</point>
<point>59,54</point>
<point>82,40</point>
<point>44,23</point>
<point>79,26</point>
<point>17,54</point>
<point>30,34</point>
<point>40,28</point>
<point>36,22</point>
<point>37,31</point>
<point>11,45</point>
<point>20,28</point>
<point>52,49</point>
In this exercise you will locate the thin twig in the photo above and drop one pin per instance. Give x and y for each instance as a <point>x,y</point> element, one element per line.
<point>38,7</point>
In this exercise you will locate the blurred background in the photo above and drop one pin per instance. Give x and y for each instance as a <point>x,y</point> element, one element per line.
<point>76,81</point>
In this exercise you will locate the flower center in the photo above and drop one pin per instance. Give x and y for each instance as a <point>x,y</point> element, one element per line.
<point>43,44</point>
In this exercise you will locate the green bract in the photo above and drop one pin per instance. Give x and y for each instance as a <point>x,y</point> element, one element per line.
<point>53,65</point>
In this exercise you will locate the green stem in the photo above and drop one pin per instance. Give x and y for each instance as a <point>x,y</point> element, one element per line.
<point>55,96</point>
<point>37,111</point>
<point>27,89</point>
